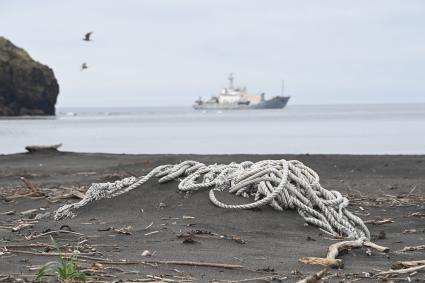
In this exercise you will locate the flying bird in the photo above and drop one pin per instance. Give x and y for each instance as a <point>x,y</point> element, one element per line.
<point>84,66</point>
<point>87,36</point>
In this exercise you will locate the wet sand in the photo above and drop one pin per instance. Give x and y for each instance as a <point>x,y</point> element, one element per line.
<point>379,187</point>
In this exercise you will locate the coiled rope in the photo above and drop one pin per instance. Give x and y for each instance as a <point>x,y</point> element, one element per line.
<point>281,184</point>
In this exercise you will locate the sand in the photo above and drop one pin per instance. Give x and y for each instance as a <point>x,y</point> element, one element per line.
<point>266,242</point>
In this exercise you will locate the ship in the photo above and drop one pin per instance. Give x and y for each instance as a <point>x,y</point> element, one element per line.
<point>235,98</point>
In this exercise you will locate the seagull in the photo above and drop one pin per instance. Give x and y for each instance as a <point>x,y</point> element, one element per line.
<point>84,66</point>
<point>87,36</point>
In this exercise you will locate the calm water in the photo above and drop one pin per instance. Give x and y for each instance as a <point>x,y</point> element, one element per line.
<point>351,129</point>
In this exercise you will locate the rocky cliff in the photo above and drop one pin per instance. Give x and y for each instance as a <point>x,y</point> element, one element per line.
<point>26,86</point>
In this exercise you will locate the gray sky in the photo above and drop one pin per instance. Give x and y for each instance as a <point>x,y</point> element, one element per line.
<point>151,53</point>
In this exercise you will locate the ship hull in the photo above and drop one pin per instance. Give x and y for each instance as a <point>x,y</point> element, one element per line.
<point>277,102</point>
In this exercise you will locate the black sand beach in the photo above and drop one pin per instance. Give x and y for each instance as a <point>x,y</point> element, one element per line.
<point>265,242</point>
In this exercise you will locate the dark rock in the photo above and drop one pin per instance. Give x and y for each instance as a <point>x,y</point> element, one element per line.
<point>27,87</point>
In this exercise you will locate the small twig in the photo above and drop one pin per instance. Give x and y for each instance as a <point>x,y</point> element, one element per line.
<point>401,271</point>
<point>80,255</point>
<point>129,262</point>
<point>176,262</point>
<point>315,278</point>
<point>412,190</point>
<point>31,237</point>
<point>149,226</point>
<point>29,185</point>
<point>38,245</point>
<point>417,214</point>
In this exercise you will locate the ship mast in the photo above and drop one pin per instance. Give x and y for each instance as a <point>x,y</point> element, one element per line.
<point>230,81</point>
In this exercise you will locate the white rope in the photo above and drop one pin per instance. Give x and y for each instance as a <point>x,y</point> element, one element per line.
<point>279,183</point>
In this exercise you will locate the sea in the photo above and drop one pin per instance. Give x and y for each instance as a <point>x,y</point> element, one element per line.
<point>298,129</point>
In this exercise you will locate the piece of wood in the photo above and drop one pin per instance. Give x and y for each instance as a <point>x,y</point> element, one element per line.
<point>21,226</point>
<point>28,212</point>
<point>379,221</point>
<point>329,262</point>
<point>406,264</point>
<point>335,249</point>
<point>401,271</point>
<point>376,247</point>
<point>412,248</point>
<point>315,278</point>
<point>36,148</point>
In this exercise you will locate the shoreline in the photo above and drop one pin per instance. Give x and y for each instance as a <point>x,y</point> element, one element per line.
<point>378,187</point>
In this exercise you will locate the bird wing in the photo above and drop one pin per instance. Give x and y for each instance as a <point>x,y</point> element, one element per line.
<point>88,35</point>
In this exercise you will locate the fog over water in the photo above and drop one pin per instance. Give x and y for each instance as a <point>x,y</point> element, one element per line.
<point>341,129</point>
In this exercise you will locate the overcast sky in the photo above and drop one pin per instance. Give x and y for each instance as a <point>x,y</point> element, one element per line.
<point>152,53</point>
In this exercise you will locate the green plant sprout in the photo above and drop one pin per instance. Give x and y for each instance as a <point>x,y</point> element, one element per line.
<point>64,270</point>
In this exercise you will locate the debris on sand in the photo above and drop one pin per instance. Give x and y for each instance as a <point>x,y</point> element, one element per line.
<point>147,253</point>
<point>412,248</point>
<point>379,221</point>
<point>335,249</point>
<point>204,234</point>
<point>315,278</point>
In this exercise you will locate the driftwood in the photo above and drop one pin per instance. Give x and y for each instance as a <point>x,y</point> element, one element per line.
<point>315,278</point>
<point>407,264</point>
<point>401,271</point>
<point>38,148</point>
<point>335,249</point>
<point>412,248</point>
<point>376,247</point>
<point>33,193</point>
<point>379,222</point>
<point>328,262</point>
<point>36,193</point>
